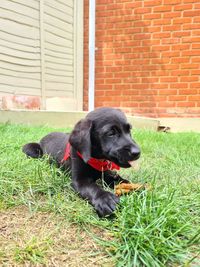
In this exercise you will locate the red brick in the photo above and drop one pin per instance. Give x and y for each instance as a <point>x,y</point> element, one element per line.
<point>142,36</point>
<point>131,5</point>
<point>122,86</point>
<point>131,43</point>
<point>168,92</point>
<point>161,35</point>
<point>99,81</point>
<point>154,29</point>
<point>188,91</point>
<point>180,60</point>
<point>195,85</point>
<point>196,33</point>
<point>172,15</point>
<point>162,22</point>
<point>104,13</point>
<point>142,10</point>
<point>194,98</point>
<point>158,61</point>
<point>190,40</point>
<point>189,66</point>
<point>152,16</point>
<point>185,104</point>
<point>112,93</point>
<point>195,60</point>
<point>152,3</point>
<point>168,104</point>
<point>113,69</point>
<point>159,86</point>
<point>150,80</point>
<point>102,2</point>
<point>132,30</point>
<point>111,81</point>
<point>141,86</point>
<point>183,7</point>
<point>172,67</point>
<point>121,75</point>
<point>160,98</point>
<point>189,79</point>
<point>168,79</point>
<point>196,20</point>
<point>160,73</point>
<point>172,28</point>
<point>178,85</point>
<point>132,18</point>
<point>171,41</point>
<point>131,92</point>
<point>191,26</point>
<point>141,73</point>
<point>180,46</point>
<point>196,46</point>
<point>161,47</point>
<point>123,24</point>
<point>172,2</point>
<point>131,56</point>
<point>177,98</point>
<point>123,62</point>
<point>147,62</point>
<point>103,86</point>
<point>131,104</point>
<point>182,20</point>
<point>181,34</point>
<point>112,56</point>
<point>114,6</point>
<point>163,8</point>
<point>195,72</point>
<point>100,93</point>
<point>147,104</point>
<point>191,13</point>
<point>171,54</point>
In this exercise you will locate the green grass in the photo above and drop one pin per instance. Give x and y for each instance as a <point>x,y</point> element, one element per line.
<point>160,227</point>
<point>34,251</point>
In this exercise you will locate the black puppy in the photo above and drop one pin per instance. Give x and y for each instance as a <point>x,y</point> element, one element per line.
<point>98,144</point>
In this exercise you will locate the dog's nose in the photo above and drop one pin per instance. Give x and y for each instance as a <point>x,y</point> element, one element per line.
<point>135,152</point>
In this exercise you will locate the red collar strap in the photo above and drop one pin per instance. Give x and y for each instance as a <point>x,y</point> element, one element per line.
<point>97,164</point>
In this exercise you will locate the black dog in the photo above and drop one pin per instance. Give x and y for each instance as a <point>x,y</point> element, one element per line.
<point>98,144</point>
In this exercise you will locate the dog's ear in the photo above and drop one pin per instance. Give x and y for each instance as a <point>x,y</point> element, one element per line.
<point>80,138</point>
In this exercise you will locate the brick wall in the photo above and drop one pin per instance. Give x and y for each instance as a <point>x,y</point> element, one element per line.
<point>148,56</point>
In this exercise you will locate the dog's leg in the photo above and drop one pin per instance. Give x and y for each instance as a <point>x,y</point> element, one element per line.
<point>84,182</point>
<point>104,202</point>
<point>111,178</point>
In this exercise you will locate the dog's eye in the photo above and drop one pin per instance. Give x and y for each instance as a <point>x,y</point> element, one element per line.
<point>111,133</point>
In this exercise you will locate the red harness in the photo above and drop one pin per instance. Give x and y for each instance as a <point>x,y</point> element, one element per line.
<point>97,164</point>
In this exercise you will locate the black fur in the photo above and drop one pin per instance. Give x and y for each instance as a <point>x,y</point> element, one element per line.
<point>103,134</point>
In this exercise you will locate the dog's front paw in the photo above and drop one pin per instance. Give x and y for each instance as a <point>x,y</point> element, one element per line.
<point>106,203</point>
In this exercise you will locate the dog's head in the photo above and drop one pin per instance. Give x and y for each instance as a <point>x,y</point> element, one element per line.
<point>105,134</point>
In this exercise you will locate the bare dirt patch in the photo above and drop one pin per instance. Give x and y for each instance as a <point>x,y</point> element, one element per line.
<point>43,239</point>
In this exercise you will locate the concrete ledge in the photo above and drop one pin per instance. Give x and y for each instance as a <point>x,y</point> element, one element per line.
<point>181,124</point>
<point>64,119</point>
<point>68,119</point>
<point>144,123</point>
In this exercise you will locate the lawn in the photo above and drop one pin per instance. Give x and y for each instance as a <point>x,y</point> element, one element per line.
<point>43,222</point>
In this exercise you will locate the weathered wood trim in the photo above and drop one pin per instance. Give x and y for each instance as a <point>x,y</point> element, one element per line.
<point>78,53</point>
